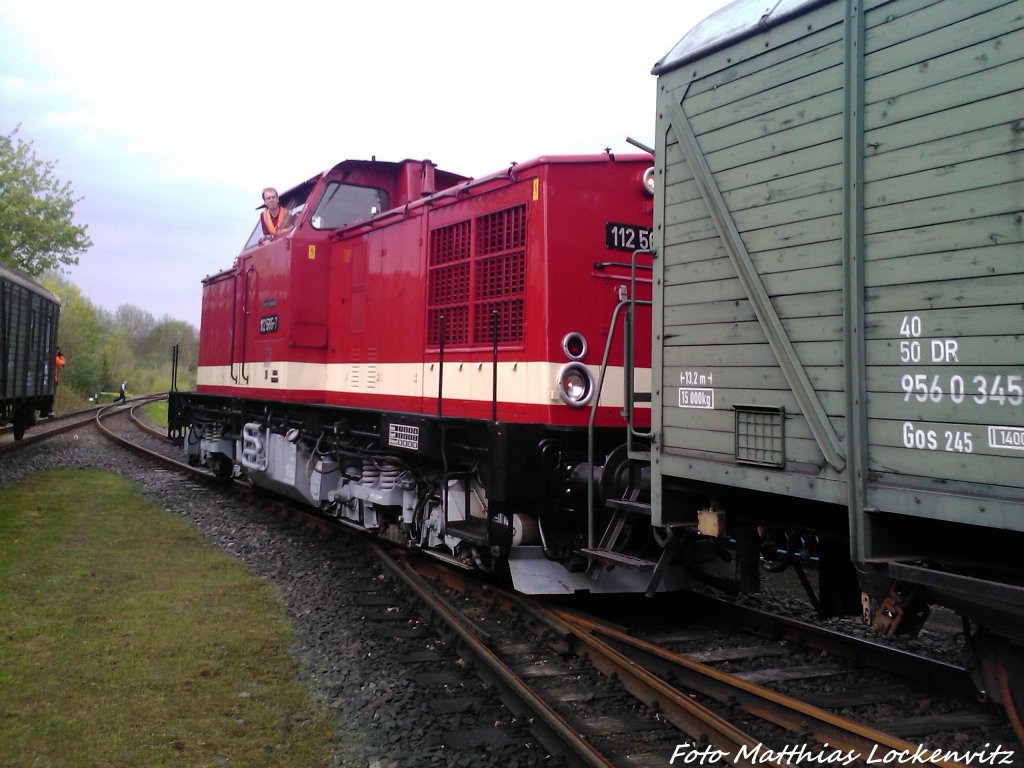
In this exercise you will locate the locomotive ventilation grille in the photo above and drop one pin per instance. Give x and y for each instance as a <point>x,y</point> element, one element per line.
<point>478,267</point>
<point>760,435</point>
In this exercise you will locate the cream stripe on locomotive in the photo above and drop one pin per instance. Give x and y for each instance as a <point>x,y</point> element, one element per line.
<point>518,382</point>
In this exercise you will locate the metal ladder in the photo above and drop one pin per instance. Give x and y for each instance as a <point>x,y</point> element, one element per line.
<point>606,552</point>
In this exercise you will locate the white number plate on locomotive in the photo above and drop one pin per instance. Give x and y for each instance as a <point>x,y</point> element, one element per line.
<point>626,237</point>
<point>404,436</point>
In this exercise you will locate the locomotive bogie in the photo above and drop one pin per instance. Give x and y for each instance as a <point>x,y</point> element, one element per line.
<point>472,493</point>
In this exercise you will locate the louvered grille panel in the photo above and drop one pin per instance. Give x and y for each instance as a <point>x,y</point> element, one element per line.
<point>449,285</point>
<point>450,243</point>
<point>501,231</point>
<point>468,288</point>
<point>449,274</point>
<point>503,275</point>
<point>510,321</point>
<point>456,326</point>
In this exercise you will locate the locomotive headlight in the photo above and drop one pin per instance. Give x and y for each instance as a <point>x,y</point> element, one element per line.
<point>649,181</point>
<point>575,384</point>
<point>574,346</point>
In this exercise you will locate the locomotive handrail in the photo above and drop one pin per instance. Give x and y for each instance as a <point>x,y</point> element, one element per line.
<point>174,368</point>
<point>601,265</point>
<point>494,366</point>
<point>593,416</point>
<point>627,353</point>
<point>234,322</point>
<point>627,302</point>
<point>245,321</point>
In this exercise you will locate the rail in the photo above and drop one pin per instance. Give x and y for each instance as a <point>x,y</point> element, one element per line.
<point>555,730</point>
<point>628,657</point>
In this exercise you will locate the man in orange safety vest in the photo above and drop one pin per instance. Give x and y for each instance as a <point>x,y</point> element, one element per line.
<point>274,219</point>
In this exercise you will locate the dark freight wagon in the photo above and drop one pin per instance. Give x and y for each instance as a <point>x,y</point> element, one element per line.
<point>28,345</point>
<point>839,299</point>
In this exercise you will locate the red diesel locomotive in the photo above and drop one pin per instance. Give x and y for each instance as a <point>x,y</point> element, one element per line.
<point>435,358</point>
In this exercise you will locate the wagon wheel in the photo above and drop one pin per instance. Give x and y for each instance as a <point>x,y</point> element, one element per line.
<point>775,556</point>
<point>1000,664</point>
<point>19,425</point>
<point>1013,702</point>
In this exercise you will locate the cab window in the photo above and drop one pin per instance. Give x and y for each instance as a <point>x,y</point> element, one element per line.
<point>294,201</point>
<point>343,204</point>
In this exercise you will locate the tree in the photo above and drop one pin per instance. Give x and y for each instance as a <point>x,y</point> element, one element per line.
<point>104,348</point>
<point>137,324</point>
<point>80,336</point>
<point>36,209</point>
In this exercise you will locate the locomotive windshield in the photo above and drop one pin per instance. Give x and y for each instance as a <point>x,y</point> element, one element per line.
<point>343,204</point>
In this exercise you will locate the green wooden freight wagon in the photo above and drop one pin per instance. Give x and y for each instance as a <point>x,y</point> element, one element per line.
<point>839,283</point>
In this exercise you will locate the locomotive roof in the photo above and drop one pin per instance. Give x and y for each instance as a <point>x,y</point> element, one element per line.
<point>444,178</point>
<point>16,276</point>
<point>447,183</point>
<point>735,21</point>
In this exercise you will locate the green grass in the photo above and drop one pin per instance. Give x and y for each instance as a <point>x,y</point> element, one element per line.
<point>125,640</point>
<point>156,412</point>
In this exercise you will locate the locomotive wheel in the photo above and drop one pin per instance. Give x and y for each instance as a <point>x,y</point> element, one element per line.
<point>615,477</point>
<point>221,466</point>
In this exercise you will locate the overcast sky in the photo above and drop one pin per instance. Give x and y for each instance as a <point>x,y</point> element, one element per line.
<point>169,118</point>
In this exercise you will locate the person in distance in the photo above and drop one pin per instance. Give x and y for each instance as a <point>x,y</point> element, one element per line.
<point>58,363</point>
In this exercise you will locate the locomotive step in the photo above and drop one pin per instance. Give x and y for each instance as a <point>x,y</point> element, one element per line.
<point>473,530</point>
<point>619,558</point>
<point>626,505</point>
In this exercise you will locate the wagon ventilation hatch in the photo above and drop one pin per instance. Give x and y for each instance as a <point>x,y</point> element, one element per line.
<point>760,435</point>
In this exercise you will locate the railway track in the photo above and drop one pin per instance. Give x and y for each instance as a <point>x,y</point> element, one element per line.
<point>52,426</point>
<point>45,429</point>
<point>585,692</point>
<point>767,715</point>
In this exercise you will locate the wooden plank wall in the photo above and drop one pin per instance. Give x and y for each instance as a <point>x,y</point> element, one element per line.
<point>944,192</point>
<point>769,120</point>
<point>943,197</point>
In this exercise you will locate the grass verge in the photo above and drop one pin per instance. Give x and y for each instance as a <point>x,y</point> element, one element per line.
<point>156,412</point>
<point>125,640</point>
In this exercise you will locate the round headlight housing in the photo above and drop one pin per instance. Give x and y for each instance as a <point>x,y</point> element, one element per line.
<point>574,346</point>
<point>575,384</point>
<point>649,181</point>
